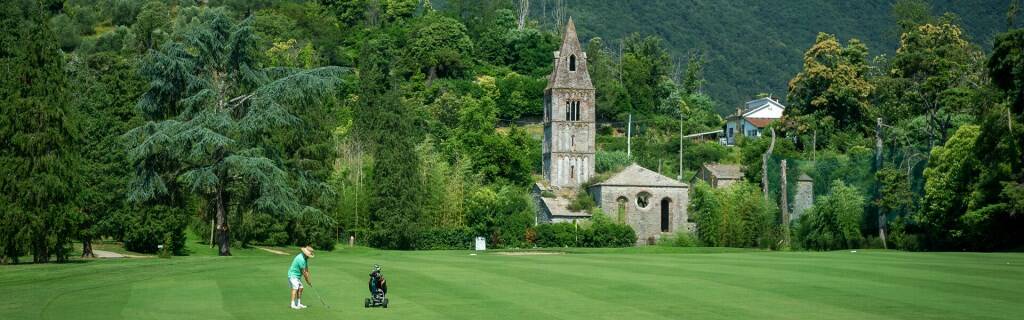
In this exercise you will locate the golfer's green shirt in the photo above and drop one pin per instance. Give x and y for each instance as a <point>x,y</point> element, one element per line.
<point>298,264</point>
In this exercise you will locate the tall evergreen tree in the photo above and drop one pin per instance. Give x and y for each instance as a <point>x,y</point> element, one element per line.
<point>387,127</point>
<point>213,114</point>
<point>106,86</point>
<point>37,138</point>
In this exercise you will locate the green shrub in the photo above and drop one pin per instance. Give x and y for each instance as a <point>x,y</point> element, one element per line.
<point>706,211</point>
<point>735,216</point>
<point>279,238</point>
<point>153,226</point>
<point>553,235</point>
<point>320,234</point>
<point>582,202</point>
<point>606,161</point>
<point>360,235</point>
<point>454,238</point>
<point>834,220</point>
<point>502,217</point>
<point>600,233</point>
<point>255,227</point>
<point>899,238</point>
<point>679,239</point>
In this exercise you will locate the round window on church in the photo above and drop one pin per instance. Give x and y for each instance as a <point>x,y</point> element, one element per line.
<point>643,199</point>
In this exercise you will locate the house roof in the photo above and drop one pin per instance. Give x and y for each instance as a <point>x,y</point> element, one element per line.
<point>753,106</point>
<point>725,171</point>
<point>758,104</point>
<point>559,207</point>
<point>804,177</point>
<point>760,122</point>
<point>635,175</point>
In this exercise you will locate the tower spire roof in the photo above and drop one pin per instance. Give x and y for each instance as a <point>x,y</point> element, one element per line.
<point>570,65</point>
<point>570,31</point>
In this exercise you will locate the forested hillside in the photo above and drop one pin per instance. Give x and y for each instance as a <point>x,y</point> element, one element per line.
<point>753,46</point>
<point>304,122</point>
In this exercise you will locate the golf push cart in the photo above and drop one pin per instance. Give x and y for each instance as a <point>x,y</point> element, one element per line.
<point>378,290</point>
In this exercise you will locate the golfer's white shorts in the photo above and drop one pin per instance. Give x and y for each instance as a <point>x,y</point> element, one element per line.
<point>294,283</point>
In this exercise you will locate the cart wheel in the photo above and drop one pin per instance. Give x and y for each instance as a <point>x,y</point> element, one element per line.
<point>366,303</point>
<point>385,303</point>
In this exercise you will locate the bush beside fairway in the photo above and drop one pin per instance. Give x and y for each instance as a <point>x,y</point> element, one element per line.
<point>627,283</point>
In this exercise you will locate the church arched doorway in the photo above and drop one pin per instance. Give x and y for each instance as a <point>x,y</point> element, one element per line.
<point>665,214</point>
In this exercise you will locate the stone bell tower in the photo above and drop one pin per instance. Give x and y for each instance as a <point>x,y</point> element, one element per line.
<point>569,113</point>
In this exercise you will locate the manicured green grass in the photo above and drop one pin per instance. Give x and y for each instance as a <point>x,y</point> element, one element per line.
<point>631,283</point>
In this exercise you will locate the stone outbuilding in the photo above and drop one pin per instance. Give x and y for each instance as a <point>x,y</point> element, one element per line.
<point>653,204</point>
<point>804,195</point>
<point>552,208</point>
<point>719,175</point>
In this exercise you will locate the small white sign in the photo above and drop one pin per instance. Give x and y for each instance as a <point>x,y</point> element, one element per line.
<point>481,244</point>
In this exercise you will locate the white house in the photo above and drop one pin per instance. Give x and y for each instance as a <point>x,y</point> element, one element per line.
<point>752,118</point>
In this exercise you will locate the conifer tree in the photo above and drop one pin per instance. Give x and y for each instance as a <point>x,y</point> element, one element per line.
<point>387,126</point>
<point>213,114</point>
<point>37,135</point>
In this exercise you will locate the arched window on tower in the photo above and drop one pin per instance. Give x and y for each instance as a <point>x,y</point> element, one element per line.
<point>576,105</point>
<point>572,62</point>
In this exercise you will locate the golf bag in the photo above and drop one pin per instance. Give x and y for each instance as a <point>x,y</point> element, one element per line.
<point>378,290</point>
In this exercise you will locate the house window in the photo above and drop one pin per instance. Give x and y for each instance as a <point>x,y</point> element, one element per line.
<point>730,132</point>
<point>572,62</point>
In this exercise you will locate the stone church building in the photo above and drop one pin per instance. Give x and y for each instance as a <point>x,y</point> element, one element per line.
<point>651,203</point>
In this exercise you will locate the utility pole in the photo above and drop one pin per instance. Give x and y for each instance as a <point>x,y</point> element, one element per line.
<point>784,206</point>
<point>878,166</point>
<point>814,145</point>
<point>629,136</point>
<point>680,146</point>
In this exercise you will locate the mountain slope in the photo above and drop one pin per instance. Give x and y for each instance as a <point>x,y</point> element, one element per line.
<point>753,46</point>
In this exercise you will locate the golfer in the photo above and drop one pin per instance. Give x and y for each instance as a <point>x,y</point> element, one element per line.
<point>300,267</point>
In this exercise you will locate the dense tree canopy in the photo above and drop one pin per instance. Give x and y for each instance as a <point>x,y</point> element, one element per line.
<point>143,122</point>
<point>831,92</point>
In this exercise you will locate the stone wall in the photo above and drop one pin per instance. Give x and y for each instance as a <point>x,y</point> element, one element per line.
<point>803,199</point>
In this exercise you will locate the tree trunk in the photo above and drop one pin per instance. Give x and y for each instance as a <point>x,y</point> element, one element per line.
<point>784,206</point>
<point>878,166</point>
<point>431,76</point>
<point>223,234</point>
<point>87,248</point>
<point>764,166</point>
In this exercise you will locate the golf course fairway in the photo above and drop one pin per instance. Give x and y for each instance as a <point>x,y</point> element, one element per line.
<point>630,283</point>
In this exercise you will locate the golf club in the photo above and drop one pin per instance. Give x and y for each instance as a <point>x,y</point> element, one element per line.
<point>321,297</point>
